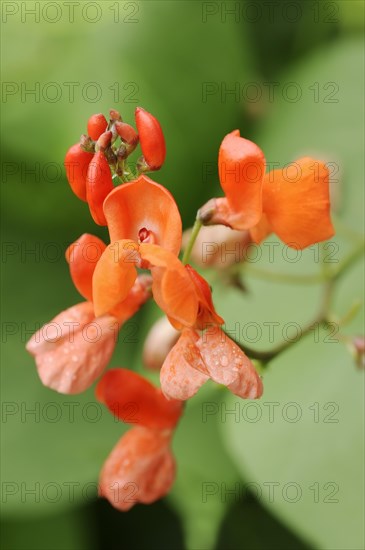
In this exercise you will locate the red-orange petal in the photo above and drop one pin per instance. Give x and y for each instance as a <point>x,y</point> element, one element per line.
<point>134,400</point>
<point>140,468</point>
<point>114,275</point>
<point>297,204</point>
<point>76,164</point>
<point>82,257</point>
<point>227,364</point>
<point>144,204</point>
<point>173,289</point>
<point>241,165</point>
<point>183,371</point>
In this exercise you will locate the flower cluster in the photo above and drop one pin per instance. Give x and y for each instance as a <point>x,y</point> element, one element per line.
<point>141,262</point>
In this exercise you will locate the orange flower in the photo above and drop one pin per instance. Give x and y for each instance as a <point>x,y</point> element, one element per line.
<point>141,467</point>
<point>292,202</point>
<point>73,349</point>
<point>196,356</point>
<point>145,232</point>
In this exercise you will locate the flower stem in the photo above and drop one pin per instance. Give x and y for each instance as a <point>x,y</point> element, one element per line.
<point>194,234</point>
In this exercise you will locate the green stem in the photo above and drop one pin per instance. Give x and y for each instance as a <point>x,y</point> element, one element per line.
<point>284,277</point>
<point>194,234</point>
<point>322,317</point>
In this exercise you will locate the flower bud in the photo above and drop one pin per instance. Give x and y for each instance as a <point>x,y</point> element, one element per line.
<point>114,115</point>
<point>104,140</point>
<point>96,125</point>
<point>99,183</point>
<point>151,139</point>
<point>160,340</point>
<point>127,133</point>
<point>76,164</point>
<point>87,144</point>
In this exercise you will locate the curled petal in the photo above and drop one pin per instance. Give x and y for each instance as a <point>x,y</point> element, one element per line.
<point>135,400</point>
<point>207,313</point>
<point>140,468</point>
<point>144,205</point>
<point>183,371</point>
<point>172,288</point>
<point>227,364</point>
<point>73,349</point>
<point>296,203</point>
<point>82,257</point>
<point>241,166</point>
<point>114,275</point>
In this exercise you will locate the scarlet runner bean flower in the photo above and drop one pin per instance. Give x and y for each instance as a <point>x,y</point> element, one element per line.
<point>145,233</point>
<point>204,351</point>
<point>141,467</point>
<point>293,203</point>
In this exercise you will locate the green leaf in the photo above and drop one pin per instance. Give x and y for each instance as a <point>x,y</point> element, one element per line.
<point>306,458</point>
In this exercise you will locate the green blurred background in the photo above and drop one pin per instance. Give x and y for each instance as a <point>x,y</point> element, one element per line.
<point>290,76</point>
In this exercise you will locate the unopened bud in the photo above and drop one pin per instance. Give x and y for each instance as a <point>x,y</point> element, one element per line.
<point>160,340</point>
<point>87,144</point>
<point>122,152</point>
<point>114,115</point>
<point>127,133</point>
<point>96,125</point>
<point>104,140</point>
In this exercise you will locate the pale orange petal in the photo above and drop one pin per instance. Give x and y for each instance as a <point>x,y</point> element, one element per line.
<point>73,349</point>
<point>296,203</point>
<point>183,371</point>
<point>228,365</point>
<point>114,275</point>
<point>144,204</point>
<point>140,468</point>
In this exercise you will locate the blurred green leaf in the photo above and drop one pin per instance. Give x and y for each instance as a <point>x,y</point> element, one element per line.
<point>71,529</point>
